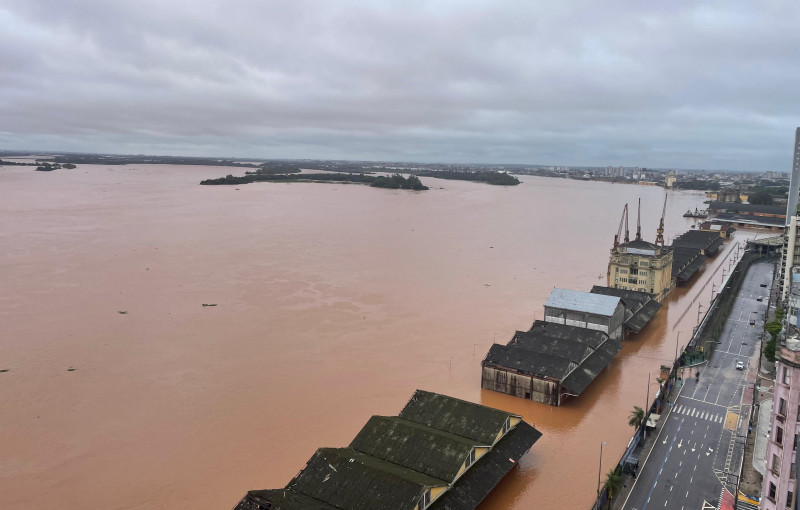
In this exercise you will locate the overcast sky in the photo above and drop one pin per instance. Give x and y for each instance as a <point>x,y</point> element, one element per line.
<point>711,85</point>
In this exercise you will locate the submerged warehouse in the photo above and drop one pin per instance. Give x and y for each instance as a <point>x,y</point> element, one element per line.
<point>439,453</point>
<point>548,363</point>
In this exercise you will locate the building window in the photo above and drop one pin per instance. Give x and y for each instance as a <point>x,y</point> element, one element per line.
<point>786,378</point>
<point>779,436</point>
<point>425,500</point>
<point>506,425</point>
<point>470,458</point>
<point>776,465</point>
<point>782,408</point>
<point>772,489</point>
<point>792,471</point>
<point>798,413</point>
<point>789,499</point>
<point>796,439</point>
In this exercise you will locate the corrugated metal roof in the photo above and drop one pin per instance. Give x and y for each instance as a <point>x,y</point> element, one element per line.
<point>582,302</point>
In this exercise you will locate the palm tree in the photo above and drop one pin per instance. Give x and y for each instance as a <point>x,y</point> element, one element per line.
<point>613,483</point>
<point>636,418</point>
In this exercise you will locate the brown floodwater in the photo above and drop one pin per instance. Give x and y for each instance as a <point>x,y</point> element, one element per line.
<point>334,302</point>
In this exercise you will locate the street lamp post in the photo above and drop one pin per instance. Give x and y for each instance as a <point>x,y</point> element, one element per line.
<point>600,469</point>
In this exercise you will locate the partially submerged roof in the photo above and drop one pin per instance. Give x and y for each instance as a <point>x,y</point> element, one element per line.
<point>280,499</point>
<point>352,479</point>
<point>345,478</point>
<point>640,307</point>
<point>631,299</point>
<point>543,330</point>
<point>750,220</point>
<point>533,363</point>
<point>643,315</point>
<point>708,242</point>
<point>575,358</point>
<point>479,481</point>
<point>430,451</point>
<point>579,301</point>
<point>779,210</point>
<point>456,416</point>
<point>685,274</point>
<point>580,378</point>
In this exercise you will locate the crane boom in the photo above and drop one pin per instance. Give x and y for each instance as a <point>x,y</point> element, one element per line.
<point>660,231</point>
<point>639,222</point>
<point>622,220</point>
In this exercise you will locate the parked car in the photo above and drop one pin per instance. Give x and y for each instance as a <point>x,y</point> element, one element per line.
<point>739,365</point>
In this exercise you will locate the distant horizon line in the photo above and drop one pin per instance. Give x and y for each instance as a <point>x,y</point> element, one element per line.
<point>28,152</point>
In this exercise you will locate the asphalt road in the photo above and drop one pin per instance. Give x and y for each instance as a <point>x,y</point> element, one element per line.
<point>699,444</point>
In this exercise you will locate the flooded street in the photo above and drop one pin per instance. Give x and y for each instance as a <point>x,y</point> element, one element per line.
<point>334,303</point>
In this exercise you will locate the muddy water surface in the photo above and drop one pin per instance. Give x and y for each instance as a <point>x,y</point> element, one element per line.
<point>334,302</point>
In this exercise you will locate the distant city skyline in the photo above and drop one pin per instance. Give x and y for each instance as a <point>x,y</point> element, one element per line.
<point>696,86</point>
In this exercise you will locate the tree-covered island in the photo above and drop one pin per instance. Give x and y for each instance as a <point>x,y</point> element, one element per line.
<point>489,177</point>
<point>395,181</point>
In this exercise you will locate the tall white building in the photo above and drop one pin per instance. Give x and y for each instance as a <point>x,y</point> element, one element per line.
<point>791,244</point>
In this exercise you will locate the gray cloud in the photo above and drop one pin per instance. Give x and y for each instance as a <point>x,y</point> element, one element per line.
<point>700,85</point>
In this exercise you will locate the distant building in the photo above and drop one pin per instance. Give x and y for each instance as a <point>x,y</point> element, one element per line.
<point>729,195</point>
<point>440,453</point>
<point>753,216</point>
<point>670,180</point>
<point>724,230</point>
<point>641,266</point>
<point>780,480</point>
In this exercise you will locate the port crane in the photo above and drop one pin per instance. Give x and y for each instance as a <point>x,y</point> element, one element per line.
<point>622,221</point>
<point>660,230</point>
<point>639,221</point>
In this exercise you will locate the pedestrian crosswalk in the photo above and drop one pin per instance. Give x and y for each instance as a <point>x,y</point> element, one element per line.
<point>693,412</point>
<point>746,505</point>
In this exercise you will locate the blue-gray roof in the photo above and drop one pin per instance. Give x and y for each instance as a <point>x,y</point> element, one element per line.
<point>578,301</point>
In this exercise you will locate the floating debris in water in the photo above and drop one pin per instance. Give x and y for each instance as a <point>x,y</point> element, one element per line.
<point>70,369</point>
<point>3,370</point>
<point>209,304</point>
<point>123,312</point>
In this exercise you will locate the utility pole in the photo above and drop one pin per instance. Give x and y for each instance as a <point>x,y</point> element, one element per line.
<point>600,469</point>
<point>647,406</point>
